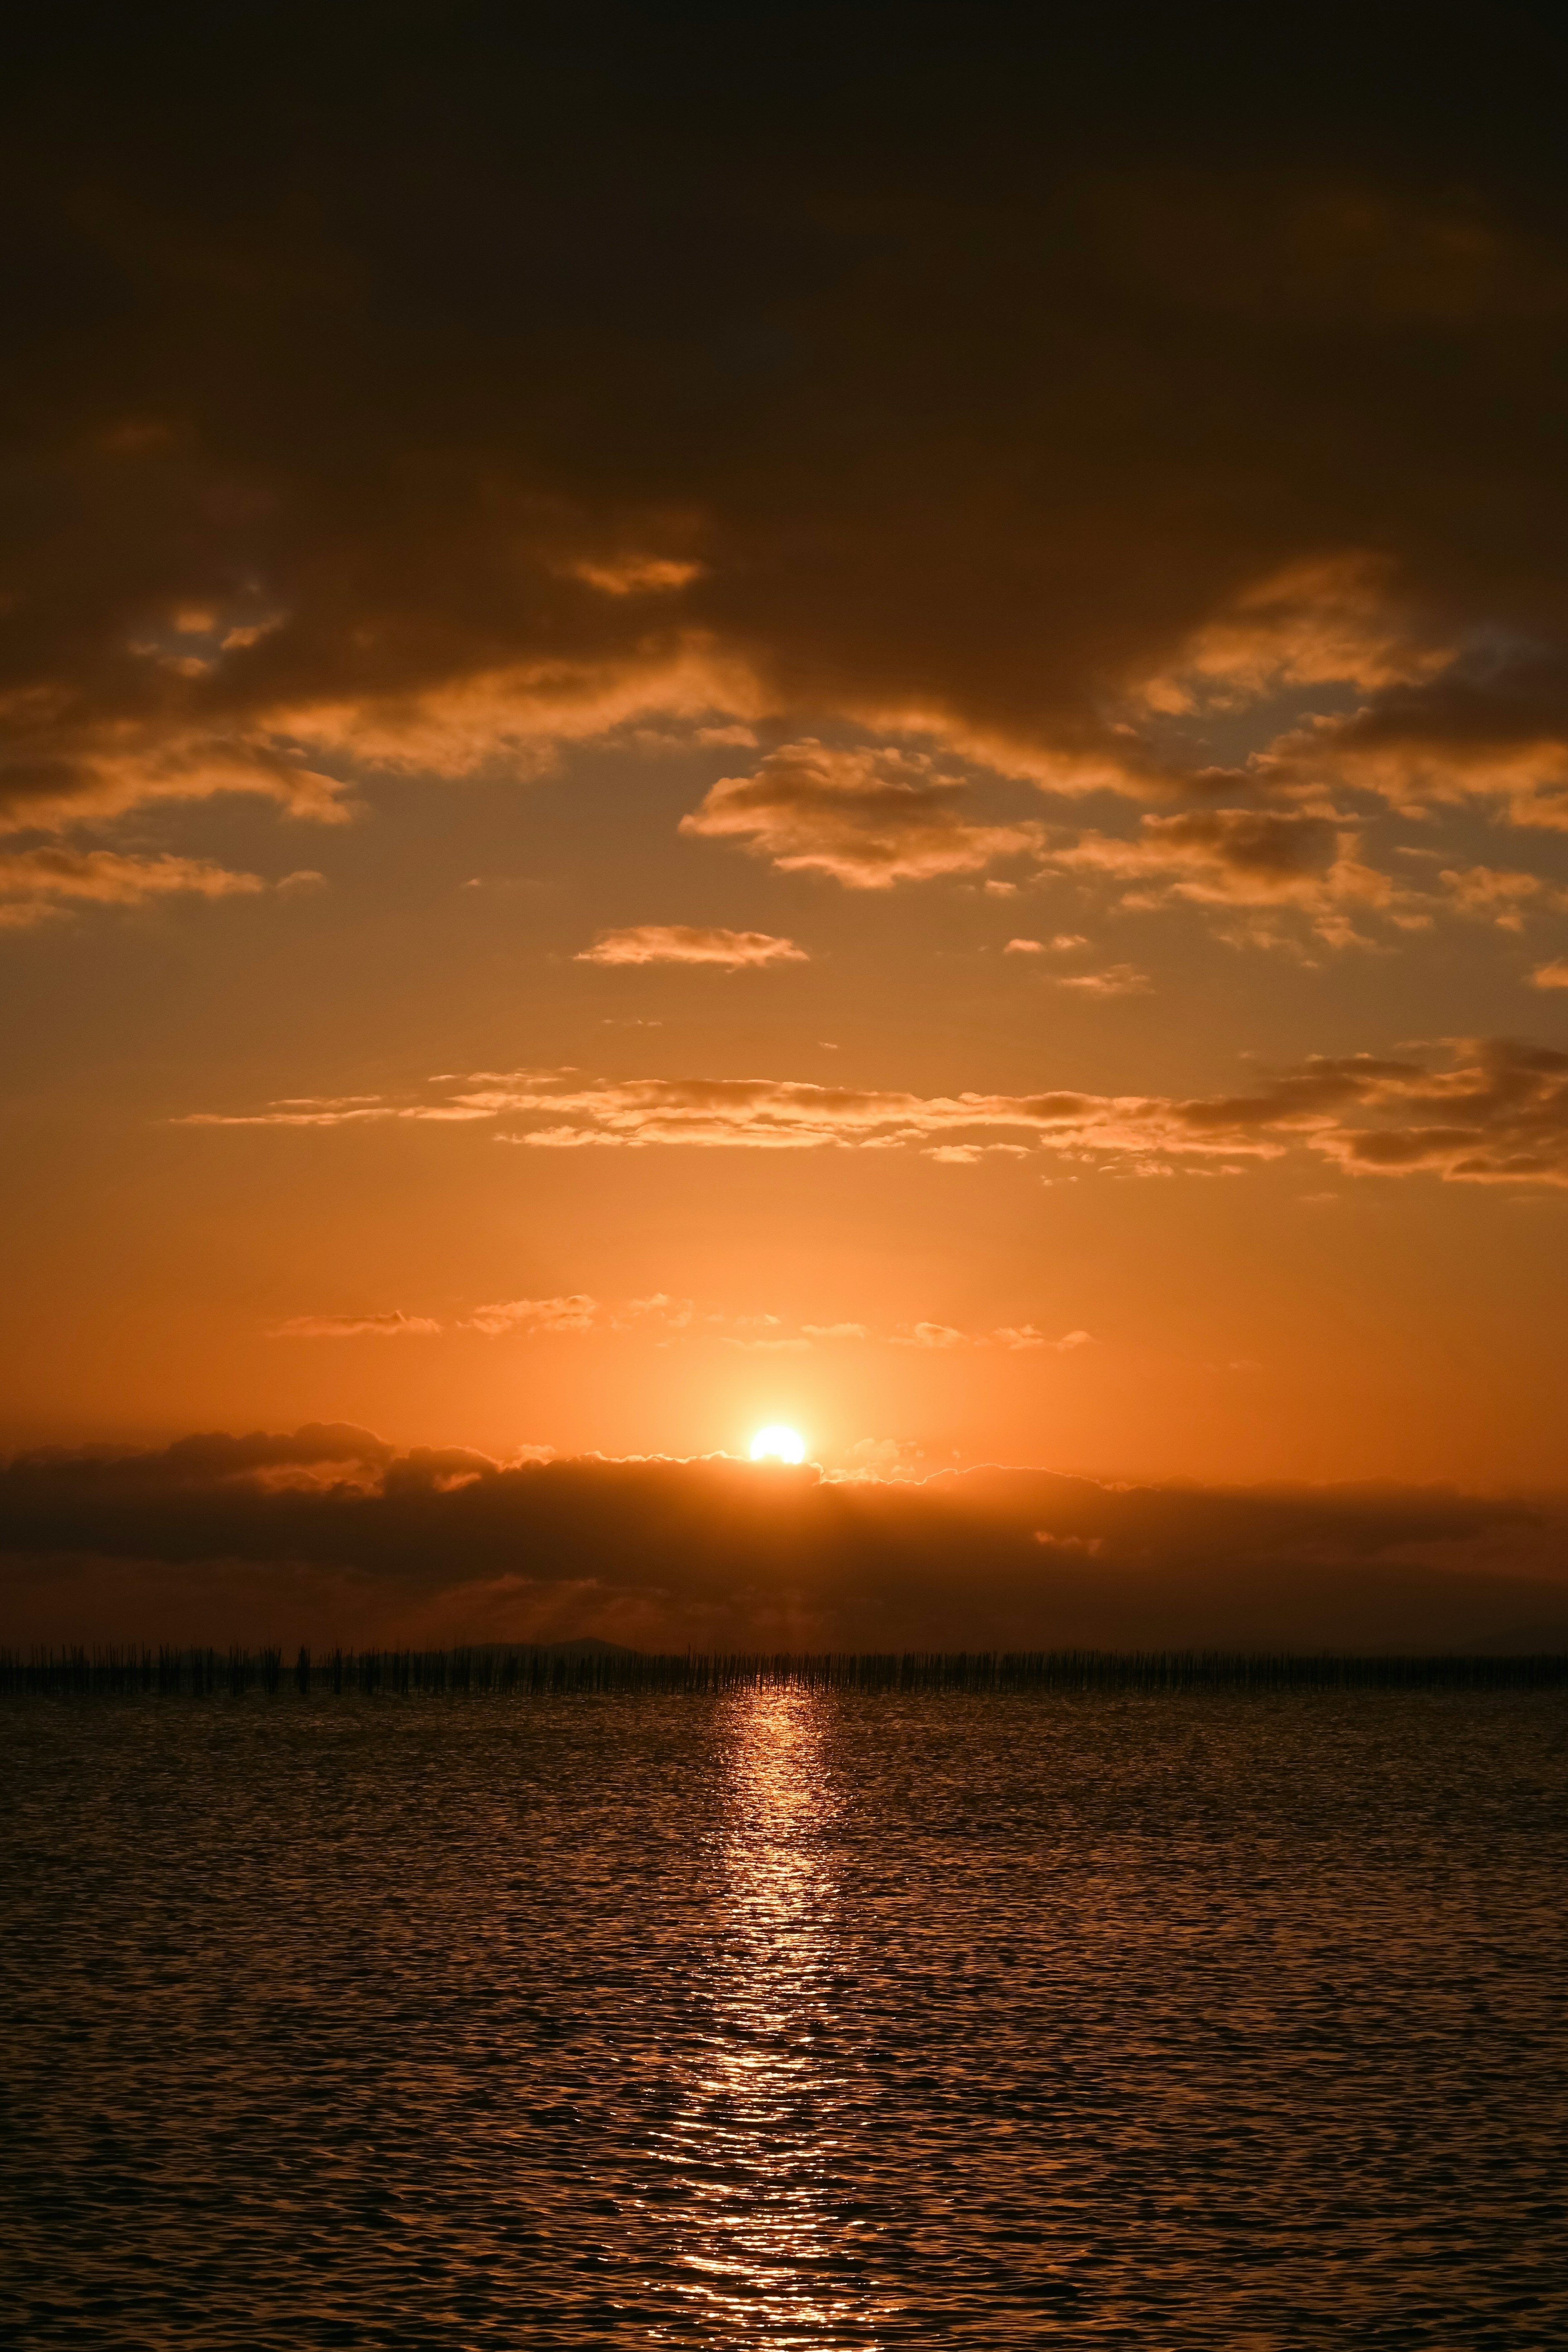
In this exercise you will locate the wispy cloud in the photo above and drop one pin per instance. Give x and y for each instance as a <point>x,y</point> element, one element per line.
<point>577,1313</point>
<point>673,1314</point>
<point>636,575</point>
<point>392,1325</point>
<point>1116,980</point>
<point>669,1317</point>
<point>927,1335</point>
<point>334,1110</point>
<point>694,943</point>
<point>1026,1337</point>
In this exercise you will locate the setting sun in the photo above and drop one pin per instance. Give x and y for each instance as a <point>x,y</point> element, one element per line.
<point>777,1443</point>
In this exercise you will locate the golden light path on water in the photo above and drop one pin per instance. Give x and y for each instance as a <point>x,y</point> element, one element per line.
<point>771,2257</point>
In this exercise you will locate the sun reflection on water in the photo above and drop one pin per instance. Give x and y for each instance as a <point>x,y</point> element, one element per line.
<point>774,2259</point>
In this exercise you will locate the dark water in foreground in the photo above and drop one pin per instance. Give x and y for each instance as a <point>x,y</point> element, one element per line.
<point>785,2018</point>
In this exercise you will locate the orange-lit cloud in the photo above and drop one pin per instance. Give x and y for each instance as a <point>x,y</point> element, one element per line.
<point>1330,620</point>
<point>696,943</point>
<point>522,715</point>
<point>1270,861</point>
<point>868,818</point>
<point>64,767</point>
<point>1503,897</point>
<point>36,883</point>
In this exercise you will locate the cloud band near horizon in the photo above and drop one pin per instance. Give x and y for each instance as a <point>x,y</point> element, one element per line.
<point>1496,1112</point>
<point>331,1533</point>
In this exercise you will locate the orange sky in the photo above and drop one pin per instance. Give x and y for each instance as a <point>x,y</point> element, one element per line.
<point>662,773</point>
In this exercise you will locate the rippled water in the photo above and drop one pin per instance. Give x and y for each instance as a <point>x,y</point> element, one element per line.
<point>785,2018</point>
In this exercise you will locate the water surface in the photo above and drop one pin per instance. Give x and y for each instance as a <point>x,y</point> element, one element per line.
<point>785,2018</point>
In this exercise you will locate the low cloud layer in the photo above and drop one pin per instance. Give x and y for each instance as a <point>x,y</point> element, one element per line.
<point>329,1535</point>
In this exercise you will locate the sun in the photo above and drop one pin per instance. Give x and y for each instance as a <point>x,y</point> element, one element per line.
<point>777,1443</point>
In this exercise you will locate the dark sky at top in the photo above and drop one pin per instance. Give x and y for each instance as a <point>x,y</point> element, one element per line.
<point>976,362</point>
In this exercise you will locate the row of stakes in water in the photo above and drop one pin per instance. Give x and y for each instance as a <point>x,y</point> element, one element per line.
<point>502,1669</point>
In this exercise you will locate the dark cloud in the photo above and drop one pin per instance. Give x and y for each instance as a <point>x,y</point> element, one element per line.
<point>1492,728</point>
<point>332,1534</point>
<point>1499,1117</point>
<point>436,395</point>
<point>1263,861</point>
<point>210,1460</point>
